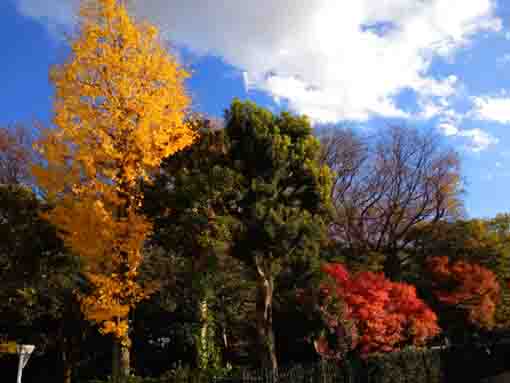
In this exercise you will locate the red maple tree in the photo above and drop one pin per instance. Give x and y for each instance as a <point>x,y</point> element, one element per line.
<point>386,315</point>
<point>467,286</point>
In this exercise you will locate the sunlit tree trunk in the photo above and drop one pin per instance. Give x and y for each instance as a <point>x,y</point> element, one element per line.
<point>67,368</point>
<point>203,346</point>
<point>120,362</point>
<point>264,308</point>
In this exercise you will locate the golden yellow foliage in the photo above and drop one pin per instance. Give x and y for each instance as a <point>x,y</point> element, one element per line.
<point>8,348</point>
<point>119,109</point>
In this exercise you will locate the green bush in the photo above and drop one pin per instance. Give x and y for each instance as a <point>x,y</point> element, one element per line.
<point>179,373</point>
<point>409,365</point>
<point>131,379</point>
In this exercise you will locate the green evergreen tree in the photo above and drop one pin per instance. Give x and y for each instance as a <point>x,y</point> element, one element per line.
<point>190,205</point>
<point>284,201</point>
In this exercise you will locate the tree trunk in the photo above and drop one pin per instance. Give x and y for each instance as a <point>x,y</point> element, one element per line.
<point>264,308</point>
<point>70,335</point>
<point>225,337</point>
<point>67,366</point>
<point>203,346</point>
<point>120,362</point>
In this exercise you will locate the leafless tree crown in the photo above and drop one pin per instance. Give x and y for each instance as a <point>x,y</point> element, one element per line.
<point>15,154</point>
<point>387,184</point>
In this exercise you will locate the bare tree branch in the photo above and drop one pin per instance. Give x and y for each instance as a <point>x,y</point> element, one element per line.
<point>387,184</point>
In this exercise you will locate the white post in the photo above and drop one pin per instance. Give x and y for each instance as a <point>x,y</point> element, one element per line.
<point>24,351</point>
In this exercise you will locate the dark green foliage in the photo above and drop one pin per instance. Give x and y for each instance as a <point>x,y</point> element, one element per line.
<point>298,279</point>
<point>254,192</point>
<point>36,272</point>
<point>190,199</point>
<point>37,303</point>
<point>284,191</point>
<point>408,366</point>
<point>284,202</point>
<point>190,203</point>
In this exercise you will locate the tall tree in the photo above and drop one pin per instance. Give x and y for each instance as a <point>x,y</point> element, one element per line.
<point>283,202</point>
<point>119,109</point>
<point>385,186</point>
<point>189,204</point>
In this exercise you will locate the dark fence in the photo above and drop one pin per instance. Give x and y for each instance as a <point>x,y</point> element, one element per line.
<point>433,365</point>
<point>436,365</point>
<point>417,366</point>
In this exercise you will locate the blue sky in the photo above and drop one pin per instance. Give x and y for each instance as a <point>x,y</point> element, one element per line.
<point>440,64</point>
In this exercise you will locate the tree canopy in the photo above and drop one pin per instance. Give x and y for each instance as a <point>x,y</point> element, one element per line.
<point>119,109</point>
<point>283,204</point>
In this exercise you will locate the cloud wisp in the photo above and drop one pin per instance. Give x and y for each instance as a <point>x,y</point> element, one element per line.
<point>492,108</point>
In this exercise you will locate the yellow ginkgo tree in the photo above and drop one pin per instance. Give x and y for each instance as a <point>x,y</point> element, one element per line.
<point>120,107</point>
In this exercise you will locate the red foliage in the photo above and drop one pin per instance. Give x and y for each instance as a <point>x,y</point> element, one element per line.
<point>387,315</point>
<point>468,286</point>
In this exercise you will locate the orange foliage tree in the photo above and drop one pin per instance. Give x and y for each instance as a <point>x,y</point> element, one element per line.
<point>386,315</point>
<point>467,286</point>
<point>120,108</point>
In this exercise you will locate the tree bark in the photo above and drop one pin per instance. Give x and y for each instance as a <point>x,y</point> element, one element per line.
<point>67,367</point>
<point>225,337</point>
<point>120,362</point>
<point>70,337</point>
<point>203,346</point>
<point>264,308</point>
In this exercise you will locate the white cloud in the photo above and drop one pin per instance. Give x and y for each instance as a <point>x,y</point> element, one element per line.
<point>476,140</point>
<point>448,129</point>
<point>492,108</point>
<point>429,109</point>
<point>328,59</point>
<point>440,106</point>
<point>479,140</point>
